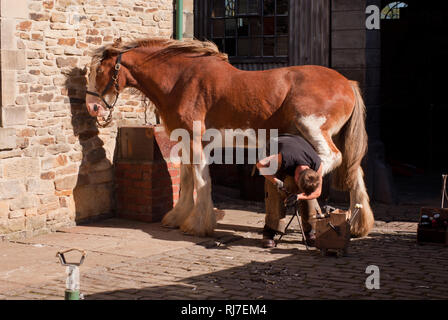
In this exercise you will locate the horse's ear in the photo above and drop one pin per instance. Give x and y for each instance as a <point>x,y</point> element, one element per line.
<point>117,43</point>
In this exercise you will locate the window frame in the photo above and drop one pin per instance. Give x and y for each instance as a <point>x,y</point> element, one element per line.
<point>260,14</point>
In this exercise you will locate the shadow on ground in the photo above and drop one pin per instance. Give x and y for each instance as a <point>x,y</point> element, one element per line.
<point>403,265</point>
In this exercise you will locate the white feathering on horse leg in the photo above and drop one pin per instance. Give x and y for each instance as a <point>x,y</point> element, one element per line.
<point>310,126</point>
<point>358,195</point>
<point>202,219</point>
<point>176,216</point>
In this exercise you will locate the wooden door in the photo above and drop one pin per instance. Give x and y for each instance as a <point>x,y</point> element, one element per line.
<point>309,38</point>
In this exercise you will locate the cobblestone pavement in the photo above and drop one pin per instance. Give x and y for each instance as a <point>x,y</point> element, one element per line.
<point>234,266</point>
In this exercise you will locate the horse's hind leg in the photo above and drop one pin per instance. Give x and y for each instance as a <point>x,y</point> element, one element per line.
<point>184,206</point>
<point>358,195</point>
<point>314,129</point>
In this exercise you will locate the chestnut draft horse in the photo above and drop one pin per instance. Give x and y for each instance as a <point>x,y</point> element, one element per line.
<point>192,81</point>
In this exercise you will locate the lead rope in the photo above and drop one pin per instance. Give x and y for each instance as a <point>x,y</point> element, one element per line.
<point>444,193</point>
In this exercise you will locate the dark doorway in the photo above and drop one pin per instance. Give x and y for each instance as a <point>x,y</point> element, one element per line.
<point>414,85</point>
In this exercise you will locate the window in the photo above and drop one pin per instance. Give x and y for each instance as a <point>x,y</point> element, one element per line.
<point>392,10</point>
<point>250,29</point>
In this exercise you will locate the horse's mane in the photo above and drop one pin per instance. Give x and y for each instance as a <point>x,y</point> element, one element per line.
<point>167,46</point>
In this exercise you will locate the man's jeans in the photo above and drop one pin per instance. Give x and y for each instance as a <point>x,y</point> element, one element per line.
<point>275,210</point>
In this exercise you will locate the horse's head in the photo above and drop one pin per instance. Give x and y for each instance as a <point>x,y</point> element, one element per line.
<point>106,80</point>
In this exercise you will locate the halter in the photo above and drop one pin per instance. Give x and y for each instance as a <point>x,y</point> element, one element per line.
<point>113,81</point>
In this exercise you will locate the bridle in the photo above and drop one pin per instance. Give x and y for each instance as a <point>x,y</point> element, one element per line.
<point>113,82</point>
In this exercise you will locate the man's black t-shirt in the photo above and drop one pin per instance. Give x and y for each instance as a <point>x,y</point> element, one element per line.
<point>296,151</point>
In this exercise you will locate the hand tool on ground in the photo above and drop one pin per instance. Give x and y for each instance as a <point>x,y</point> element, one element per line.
<point>72,271</point>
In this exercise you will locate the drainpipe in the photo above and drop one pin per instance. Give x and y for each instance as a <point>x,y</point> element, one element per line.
<point>179,19</point>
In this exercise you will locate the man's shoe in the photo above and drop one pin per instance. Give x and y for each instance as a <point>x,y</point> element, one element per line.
<point>268,243</point>
<point>268,237</point>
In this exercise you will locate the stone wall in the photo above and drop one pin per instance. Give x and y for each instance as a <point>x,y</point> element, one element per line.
<point>55,164</point>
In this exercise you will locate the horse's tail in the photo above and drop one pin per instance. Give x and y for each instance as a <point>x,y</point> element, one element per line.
<point>352,142</point>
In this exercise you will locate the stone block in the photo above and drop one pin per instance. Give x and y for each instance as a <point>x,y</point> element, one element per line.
<point>21,168</point>
<point>12,116</point>
<point>35,222</point>
<point>15,225</point>
<point>4,209</point>
<point>67,62</point>
<point>58,17</point>
<point>14,9</point>
<point>7,138</point>
<point>66,183</point>
<point>59,148</point>
<point>92,200</point>
<point>347,20</point>
<point>8,87</point>
<point>25,201</point>
<point>39,186</point>
<point>348,58</point>
<point>11,189</point>
<point>4,226</point>
<point>8,39</point>
<point>348,39</point>
<point>13,59</point>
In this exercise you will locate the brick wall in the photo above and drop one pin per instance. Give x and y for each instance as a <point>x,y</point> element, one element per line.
<point>55,164</point>
<point>146,190</point>
<point>147,182</point>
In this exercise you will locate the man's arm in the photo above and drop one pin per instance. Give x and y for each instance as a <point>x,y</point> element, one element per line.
<point>317,192</point>
<point>267,162</point>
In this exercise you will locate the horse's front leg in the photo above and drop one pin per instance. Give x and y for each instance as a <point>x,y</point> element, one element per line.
<point>176,216</point>
<point>202,219</point>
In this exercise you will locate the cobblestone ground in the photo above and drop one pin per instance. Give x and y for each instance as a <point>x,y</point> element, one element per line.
<point>236,267</point>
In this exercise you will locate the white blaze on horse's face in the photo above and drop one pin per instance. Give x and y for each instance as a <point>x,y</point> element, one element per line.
<point>95,106</point>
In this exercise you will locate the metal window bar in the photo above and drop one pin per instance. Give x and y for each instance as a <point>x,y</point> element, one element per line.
<point>275,57</point>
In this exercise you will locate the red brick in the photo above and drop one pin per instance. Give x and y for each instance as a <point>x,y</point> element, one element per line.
<point>93,32</point>
<point>37,36</point>
<point>175,181</point>
<point>46,141</point>
<point>94,40</point>
<point>40,16</point>
<point>48,4</point>
<point>48,175</point>
<point>67,41</point>
<point>174,172</point>
<point>24,26</point>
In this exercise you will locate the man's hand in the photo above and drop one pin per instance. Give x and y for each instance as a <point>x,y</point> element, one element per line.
<point>312,196</point>
<point>302,196</point>
<point>295,197</point>
<point>291,200</point>
<point>279,184</point>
